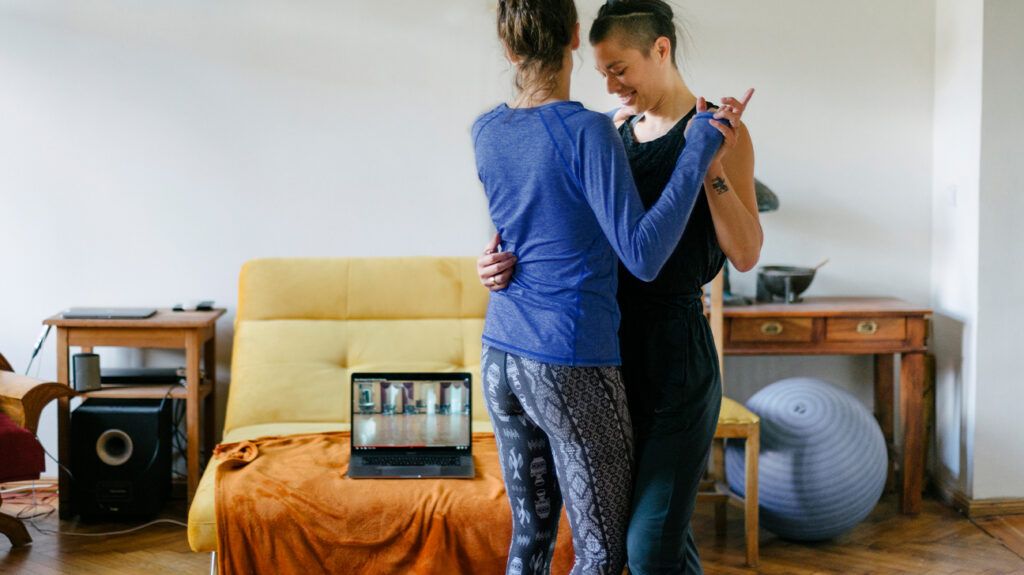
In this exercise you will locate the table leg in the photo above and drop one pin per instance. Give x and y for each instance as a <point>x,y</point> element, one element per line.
<point>65,510</point>
<point>193,348</point>
<point>884,380</point>
<point>210,403</point>
<point>912,417</point>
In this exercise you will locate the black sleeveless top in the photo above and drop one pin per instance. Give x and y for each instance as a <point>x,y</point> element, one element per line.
<point>698,258</point>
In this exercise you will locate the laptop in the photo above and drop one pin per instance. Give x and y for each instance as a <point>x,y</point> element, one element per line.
<point>407,425</point>
<point>108,313</point>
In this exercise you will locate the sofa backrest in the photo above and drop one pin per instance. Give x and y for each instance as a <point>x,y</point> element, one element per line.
<point>303,325</point>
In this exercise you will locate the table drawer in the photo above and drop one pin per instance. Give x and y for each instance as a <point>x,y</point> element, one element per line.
<point>771,329</point>
<point>865,328</point>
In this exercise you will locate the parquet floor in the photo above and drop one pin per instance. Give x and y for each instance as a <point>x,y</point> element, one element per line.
<point>939,541</point>
<point>1008,528</point>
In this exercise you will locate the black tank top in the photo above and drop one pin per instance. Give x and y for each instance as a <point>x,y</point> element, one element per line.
<point>698,258</point>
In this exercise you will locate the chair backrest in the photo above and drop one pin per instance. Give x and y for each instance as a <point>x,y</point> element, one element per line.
<point>303,325</point>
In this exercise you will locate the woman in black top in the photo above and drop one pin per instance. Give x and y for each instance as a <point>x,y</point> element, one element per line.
<point>669,360</point>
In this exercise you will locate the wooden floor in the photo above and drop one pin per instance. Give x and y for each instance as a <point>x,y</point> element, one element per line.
<point>158,549</point>
<point>1009,529</point>
<point>939,541</point>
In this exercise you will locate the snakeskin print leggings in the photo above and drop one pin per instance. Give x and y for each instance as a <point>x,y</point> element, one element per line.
<point>563,433</point>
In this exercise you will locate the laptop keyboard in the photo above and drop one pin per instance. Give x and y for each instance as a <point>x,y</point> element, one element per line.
<point>411,460</point>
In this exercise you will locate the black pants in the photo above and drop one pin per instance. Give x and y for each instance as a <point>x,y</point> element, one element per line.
<point>563,433</point>
<point>670,368</point>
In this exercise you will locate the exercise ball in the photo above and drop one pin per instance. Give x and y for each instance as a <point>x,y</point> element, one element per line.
<point>822,464</point>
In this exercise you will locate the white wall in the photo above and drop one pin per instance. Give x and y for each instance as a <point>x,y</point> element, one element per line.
<point>998,449</point>
<point>976,252</point>
<point>146,152</point>
<point>955,204</point>
<point>841,123</point>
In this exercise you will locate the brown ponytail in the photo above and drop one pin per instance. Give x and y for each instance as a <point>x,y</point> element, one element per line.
<point>536,33</point>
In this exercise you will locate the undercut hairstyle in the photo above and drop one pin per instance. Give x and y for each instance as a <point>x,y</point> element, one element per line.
<point>536,32</point>
<point>636,23</point>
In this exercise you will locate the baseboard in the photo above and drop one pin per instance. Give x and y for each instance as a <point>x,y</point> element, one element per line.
<point>976,508</point>
<point>995,506</point>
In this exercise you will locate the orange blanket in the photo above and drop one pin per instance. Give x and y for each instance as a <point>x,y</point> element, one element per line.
<point>286,505</point>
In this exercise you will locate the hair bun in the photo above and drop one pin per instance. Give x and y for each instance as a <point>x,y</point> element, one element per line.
<point>537,33</point>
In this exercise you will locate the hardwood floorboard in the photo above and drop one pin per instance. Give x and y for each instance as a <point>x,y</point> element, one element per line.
<point>1009,529</point>
<point>158,549</point>
<point>940,541</point>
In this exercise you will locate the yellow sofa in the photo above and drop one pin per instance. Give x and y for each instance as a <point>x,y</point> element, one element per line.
<point>303,325</point>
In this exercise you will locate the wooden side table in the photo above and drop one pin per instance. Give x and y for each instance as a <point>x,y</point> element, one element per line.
<point>193,331</point>
<point>882,327</point>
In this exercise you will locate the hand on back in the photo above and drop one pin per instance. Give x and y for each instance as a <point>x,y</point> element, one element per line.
<point>495,268</point>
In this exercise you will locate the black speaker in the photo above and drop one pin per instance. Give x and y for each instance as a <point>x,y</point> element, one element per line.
<point>120,457</point>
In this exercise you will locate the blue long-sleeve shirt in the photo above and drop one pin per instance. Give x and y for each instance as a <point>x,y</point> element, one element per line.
<point>561,194</point>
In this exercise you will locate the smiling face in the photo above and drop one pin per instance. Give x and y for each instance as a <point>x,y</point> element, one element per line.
<point>638,79</point>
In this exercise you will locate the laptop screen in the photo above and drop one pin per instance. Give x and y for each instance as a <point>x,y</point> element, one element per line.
<point>411,411</point>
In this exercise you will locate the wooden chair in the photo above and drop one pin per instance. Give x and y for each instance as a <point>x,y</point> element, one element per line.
<point>734,422</point>
<point>21,401</point>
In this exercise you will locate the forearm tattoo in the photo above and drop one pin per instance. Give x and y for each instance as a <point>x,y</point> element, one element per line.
<point>719,185</point>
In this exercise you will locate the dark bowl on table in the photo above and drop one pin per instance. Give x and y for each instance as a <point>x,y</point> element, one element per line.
<point>786,282</point>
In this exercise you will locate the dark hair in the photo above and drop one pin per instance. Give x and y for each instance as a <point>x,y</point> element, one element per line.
<point>639,24</point>
<point>537,32</point>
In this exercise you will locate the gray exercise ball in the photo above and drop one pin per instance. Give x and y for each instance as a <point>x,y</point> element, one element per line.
<point>822,465</point>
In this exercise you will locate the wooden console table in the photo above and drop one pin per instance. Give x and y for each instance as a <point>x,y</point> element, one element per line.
<point>193,331</point>
<point>882,327</point>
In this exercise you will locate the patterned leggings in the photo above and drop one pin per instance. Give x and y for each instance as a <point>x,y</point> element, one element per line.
<point>573,420</point>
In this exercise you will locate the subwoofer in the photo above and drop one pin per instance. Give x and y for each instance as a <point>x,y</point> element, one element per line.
<point>120,457</point>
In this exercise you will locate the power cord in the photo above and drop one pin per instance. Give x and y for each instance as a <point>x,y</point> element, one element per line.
<point>30,513</point>
<point>179,439</point>
<point>38,346</point>
<point>55,460</point>
<point>107,533</point>
<point>19,488</point>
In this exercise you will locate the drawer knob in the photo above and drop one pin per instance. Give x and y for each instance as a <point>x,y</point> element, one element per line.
<point>867,327</point>
<point>771,328</point>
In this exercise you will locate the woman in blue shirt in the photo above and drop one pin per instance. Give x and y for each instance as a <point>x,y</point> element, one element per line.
<point>561,195</point>
<point>670,364</point>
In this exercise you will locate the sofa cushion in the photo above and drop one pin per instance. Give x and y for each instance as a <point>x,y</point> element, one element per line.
<point>360,288</point>
<point>299,370</point>
<point>304,325</point>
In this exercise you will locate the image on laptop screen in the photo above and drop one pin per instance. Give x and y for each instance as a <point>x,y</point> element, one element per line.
<point>395,412</point>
